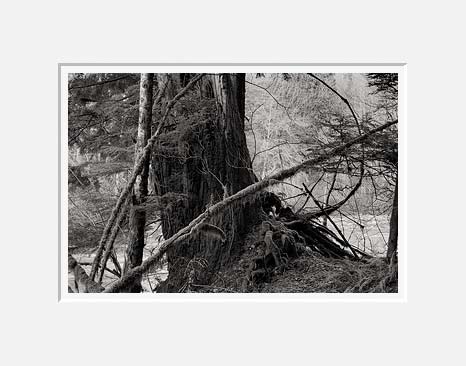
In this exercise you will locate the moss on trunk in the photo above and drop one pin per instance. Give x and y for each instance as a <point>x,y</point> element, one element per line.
<point>211,161</point>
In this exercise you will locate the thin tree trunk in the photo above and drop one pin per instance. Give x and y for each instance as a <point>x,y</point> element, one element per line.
<point>137,220</point>
<point>393,237</point>
<point>139,165</point>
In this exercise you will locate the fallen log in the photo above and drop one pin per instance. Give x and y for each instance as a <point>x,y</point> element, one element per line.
<point>82,282</point>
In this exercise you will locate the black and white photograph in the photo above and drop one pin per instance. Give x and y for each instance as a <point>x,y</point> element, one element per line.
<point>232,183</point>
<point>223,183</point>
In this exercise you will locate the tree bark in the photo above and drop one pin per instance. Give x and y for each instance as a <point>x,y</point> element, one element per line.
<point>393,237</point>
<point>217,165</point>
<point>137,219</point>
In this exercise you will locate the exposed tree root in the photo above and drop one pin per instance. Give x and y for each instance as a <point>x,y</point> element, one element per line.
<point>285,235</point>
<point>287,253</point>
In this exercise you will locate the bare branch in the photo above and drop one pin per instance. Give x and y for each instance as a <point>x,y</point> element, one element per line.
<point>99,83</point>
<point>347,244</point>
<point>327,211</point>
<point>341,97</point>
<point>275,99</point>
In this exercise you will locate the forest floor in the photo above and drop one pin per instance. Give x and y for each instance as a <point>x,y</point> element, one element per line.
<point>318,274</point>
<point>149,281</point>
<point>311,273</point>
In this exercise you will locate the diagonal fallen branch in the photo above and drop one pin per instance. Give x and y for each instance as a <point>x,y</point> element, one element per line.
<point>195,224</point>
<point>111,241</point>
<point>328,210</point>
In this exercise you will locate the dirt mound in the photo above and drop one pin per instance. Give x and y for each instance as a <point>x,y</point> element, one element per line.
<point>310,272</point>
<point>314,273</point>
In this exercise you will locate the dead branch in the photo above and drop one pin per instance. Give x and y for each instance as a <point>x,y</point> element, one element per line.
<point>82,281</point>
<point>275,99</point>
<point>113,272</point>
<point>328,210</point>
<point>346,243</point>
<point>342,98</point>
<point>98,83</point>
<point>111,240</point>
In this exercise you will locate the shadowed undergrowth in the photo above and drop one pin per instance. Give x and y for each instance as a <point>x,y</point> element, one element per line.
<point>309,273</point>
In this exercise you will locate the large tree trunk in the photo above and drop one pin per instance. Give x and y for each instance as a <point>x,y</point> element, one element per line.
<point>215,164</point>
<point>393,237</point>
<point>137,220</point>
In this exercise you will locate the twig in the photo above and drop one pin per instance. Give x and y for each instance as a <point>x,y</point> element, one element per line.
<point>275,99</point>
<point>332,222</point>
<point>252,131</point>
<point>99,83</point>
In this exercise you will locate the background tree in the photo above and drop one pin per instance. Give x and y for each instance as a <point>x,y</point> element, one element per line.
<point>102,128</point>
<point>386,85</point>
<point>137,219</point>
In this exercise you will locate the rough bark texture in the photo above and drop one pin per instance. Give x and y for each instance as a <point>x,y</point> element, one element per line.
<point>216,164</point>
<point>137,219</point>
<point>393,237</point>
